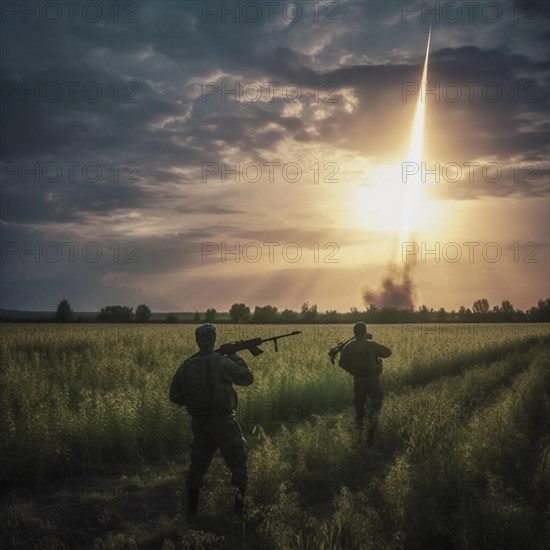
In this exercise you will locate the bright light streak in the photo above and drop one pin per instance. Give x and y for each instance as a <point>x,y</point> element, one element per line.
<point>414,195</point>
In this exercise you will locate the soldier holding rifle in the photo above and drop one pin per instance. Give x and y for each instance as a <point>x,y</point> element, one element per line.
<point>361,357</point>
<point>204,384</point>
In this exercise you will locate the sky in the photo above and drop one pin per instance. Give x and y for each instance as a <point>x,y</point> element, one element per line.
<point>189,155</point>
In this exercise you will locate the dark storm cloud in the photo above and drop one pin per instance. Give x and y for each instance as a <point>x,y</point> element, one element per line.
<point>161,253</point>
<point>80,126</point>
<point>370,53</point>
<point>167,128</point>
<point>38,267</point>
<point>35,203</point>
<point>474,76</point>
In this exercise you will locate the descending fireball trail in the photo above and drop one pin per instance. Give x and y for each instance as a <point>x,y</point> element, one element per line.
<point>413,182</point>
<point>397,286</point>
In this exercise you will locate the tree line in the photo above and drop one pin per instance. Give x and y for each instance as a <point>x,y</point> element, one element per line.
<point>480,312</point>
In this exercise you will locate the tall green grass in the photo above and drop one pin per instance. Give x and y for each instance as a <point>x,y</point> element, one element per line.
<point>463,463</point>
<point>78,398</point>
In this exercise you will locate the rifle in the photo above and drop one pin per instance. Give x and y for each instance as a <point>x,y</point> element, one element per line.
<point>252,345</point>
<point>341,345</point>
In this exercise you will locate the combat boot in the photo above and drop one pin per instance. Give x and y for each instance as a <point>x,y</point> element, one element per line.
<point>192,502</point>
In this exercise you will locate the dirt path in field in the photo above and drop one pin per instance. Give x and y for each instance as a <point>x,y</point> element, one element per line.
<point>140,506</point>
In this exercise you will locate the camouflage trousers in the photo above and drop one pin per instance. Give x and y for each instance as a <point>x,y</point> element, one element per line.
<point>368,392</point>
<point>209,435</point>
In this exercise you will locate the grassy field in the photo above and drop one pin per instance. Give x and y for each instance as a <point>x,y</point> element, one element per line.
<point>92,453</point>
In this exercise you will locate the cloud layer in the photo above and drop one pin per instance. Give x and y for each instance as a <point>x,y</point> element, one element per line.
<point>128,166</point>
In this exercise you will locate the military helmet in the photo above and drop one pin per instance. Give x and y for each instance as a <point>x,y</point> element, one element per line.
<point>359,329</point>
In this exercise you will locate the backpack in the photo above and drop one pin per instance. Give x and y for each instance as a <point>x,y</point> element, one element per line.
<point>364,360</point>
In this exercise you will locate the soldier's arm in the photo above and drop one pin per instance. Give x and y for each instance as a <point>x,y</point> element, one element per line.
<point>176,390</point>
<point>344,361</point>
<point>381,351</point>
<point>237,371</point>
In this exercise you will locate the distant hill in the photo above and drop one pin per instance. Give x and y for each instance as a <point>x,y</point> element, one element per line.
<point>25,315</point>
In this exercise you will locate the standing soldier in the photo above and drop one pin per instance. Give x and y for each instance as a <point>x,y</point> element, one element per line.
<point>203,383</point>
<point>361,359</point>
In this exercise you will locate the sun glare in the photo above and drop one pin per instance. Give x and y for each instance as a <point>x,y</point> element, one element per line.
<point>396,201</point>
<point>379,205</point>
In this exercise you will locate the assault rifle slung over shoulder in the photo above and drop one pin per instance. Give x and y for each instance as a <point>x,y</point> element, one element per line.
<point>333,353</point>
<point>252,345</point>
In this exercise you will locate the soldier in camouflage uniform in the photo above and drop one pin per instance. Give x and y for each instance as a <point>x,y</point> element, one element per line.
<point>203,383</point>
<point>361,358</point>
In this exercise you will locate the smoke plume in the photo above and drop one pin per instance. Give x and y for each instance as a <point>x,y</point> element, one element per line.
<point>397,289</point>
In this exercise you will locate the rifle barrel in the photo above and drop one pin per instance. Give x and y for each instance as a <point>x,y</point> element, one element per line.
<point>282,335</point>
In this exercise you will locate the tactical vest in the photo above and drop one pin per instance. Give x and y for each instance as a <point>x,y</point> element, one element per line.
<point>363,360</point>
<point>205,393</point>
